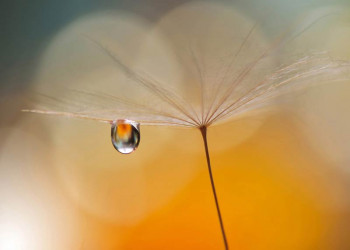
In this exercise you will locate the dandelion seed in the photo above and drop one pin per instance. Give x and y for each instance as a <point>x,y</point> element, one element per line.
<point>195,74</point>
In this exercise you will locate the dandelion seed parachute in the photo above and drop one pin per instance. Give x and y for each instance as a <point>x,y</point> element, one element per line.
<point>185,72</point>
<point>181,72</point>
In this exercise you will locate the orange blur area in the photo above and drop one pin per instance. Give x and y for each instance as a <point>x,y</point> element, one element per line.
<point>124,130</point>
<point>73,191</point>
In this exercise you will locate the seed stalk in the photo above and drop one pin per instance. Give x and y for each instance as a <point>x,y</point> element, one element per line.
<point>203,130</point>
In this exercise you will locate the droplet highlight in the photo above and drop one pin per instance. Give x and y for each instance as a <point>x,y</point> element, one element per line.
<point>125,135</point>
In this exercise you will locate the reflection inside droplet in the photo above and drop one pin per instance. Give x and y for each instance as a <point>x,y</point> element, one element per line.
<point>125,135</point>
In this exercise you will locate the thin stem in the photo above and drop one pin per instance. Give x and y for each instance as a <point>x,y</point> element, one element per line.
<point>203,130</point>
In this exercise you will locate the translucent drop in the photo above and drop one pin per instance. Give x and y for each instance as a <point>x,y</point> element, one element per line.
<point>125,135</point>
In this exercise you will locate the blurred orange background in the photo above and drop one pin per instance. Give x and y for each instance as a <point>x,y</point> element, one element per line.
<point>282,177</point>
<point>71,190</point>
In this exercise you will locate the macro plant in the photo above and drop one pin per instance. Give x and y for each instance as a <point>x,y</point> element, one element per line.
<point>191,73</point>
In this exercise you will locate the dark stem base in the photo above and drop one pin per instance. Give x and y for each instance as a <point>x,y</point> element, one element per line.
<point>204,135</point>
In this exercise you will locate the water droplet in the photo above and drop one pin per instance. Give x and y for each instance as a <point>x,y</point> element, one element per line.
<point>125,135</point>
